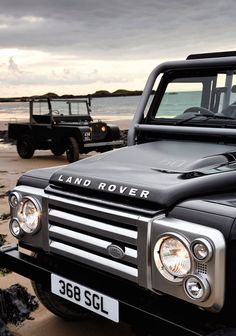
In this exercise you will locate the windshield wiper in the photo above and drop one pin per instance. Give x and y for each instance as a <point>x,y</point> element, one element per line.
<point>196,116</point>
<point>208,117</point>
<point>219,116</point>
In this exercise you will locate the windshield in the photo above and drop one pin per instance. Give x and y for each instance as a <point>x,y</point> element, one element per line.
<point>70,108</point>
<point>62,108</point>
<point>209,96</point>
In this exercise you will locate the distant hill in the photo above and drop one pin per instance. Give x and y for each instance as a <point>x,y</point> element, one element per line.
<point>97,94</point>
<point>122,92</point>
<point>101,93</point>
<point>117,93</point>
<point>49,95</point>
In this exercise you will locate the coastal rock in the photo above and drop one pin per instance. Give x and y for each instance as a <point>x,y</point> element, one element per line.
<point>16,304</point>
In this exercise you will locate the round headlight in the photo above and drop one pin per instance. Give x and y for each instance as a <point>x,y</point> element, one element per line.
<point>172,257</point>
<point>29,215</point>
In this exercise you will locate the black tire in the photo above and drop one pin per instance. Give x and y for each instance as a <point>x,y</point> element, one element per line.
<point>60,307</point>
<point>105,149</point>
<point>58,149</point>
<point>224,332</point>
<point>72,151</point>
<point>57,305</point>
<point>25,147</point>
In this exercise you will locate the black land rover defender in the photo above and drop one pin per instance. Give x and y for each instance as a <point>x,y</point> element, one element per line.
<point>63,125</point>
<point>147,232</point>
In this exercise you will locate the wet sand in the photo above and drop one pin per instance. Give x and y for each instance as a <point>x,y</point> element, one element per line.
<point>11,168</point>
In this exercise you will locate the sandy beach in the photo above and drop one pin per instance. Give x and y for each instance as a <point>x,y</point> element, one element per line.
<point>11,167</point>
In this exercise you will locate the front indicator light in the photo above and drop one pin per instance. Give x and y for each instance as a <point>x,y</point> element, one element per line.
<point>172,257</point>
<point>29,215</point>
<point>196,288</point>
<point>14,199</point>
<point>15,228</point>
<point>201,249</point>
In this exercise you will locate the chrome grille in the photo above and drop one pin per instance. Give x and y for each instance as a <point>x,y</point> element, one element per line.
<point>82,231</point>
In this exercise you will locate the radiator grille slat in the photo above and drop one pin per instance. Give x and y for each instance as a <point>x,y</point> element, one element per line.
<point>88,242</point>
<point>110,266</point>
<point>83,232</point>
<point>93,226</point>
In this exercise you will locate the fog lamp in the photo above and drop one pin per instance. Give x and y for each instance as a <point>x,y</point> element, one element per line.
<point>172,257</point>
<point>196,288</point>
<point>201,249</point>
<point>15,228</point>
<point>29,215</point>
<point>14,199</point>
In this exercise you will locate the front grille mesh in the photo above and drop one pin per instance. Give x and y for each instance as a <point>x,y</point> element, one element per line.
<point>202,268</point>
<point>82,231</point>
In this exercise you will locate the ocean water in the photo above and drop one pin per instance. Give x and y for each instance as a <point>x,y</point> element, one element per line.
<point>174,103</point>
<point>110,108</point>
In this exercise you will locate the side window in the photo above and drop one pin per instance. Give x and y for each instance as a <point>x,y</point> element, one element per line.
<point>41,113</point>
<point>220,92</point>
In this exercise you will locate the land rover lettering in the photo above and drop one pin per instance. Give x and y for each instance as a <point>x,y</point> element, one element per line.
<point>123,190</point>
<point>76,181</point>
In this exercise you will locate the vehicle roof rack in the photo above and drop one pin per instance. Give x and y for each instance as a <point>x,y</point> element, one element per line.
<point>212,55</point>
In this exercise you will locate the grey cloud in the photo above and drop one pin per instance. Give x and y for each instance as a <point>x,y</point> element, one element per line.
<point>13,67</point>
<point>119,29</point>
<point>12,75</point>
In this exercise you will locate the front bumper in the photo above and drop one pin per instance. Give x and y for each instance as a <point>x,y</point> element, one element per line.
<point>115,143</point>
<point>135,303</point>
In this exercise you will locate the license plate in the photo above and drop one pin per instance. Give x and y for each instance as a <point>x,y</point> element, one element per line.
<point>85,297</point>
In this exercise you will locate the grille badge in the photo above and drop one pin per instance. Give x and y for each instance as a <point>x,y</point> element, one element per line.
<point>115,251</point>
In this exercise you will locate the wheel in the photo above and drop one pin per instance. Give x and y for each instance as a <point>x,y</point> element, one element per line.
<point>25,147</point>
<point>140,329</point>
<point>224,332</point>
<point>59,306</point>
<point>105,149</point>
<point>200,110</point>
<point>57,149</point>
<point>72,151</point>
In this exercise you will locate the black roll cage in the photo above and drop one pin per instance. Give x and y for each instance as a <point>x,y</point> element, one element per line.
<point>189,65</point>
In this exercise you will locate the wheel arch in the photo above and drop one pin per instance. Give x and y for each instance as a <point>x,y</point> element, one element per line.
<point>113,132</point>
<point>66,133</point>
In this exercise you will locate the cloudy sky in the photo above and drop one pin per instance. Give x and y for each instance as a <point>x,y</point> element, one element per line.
<point>80,46</point>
